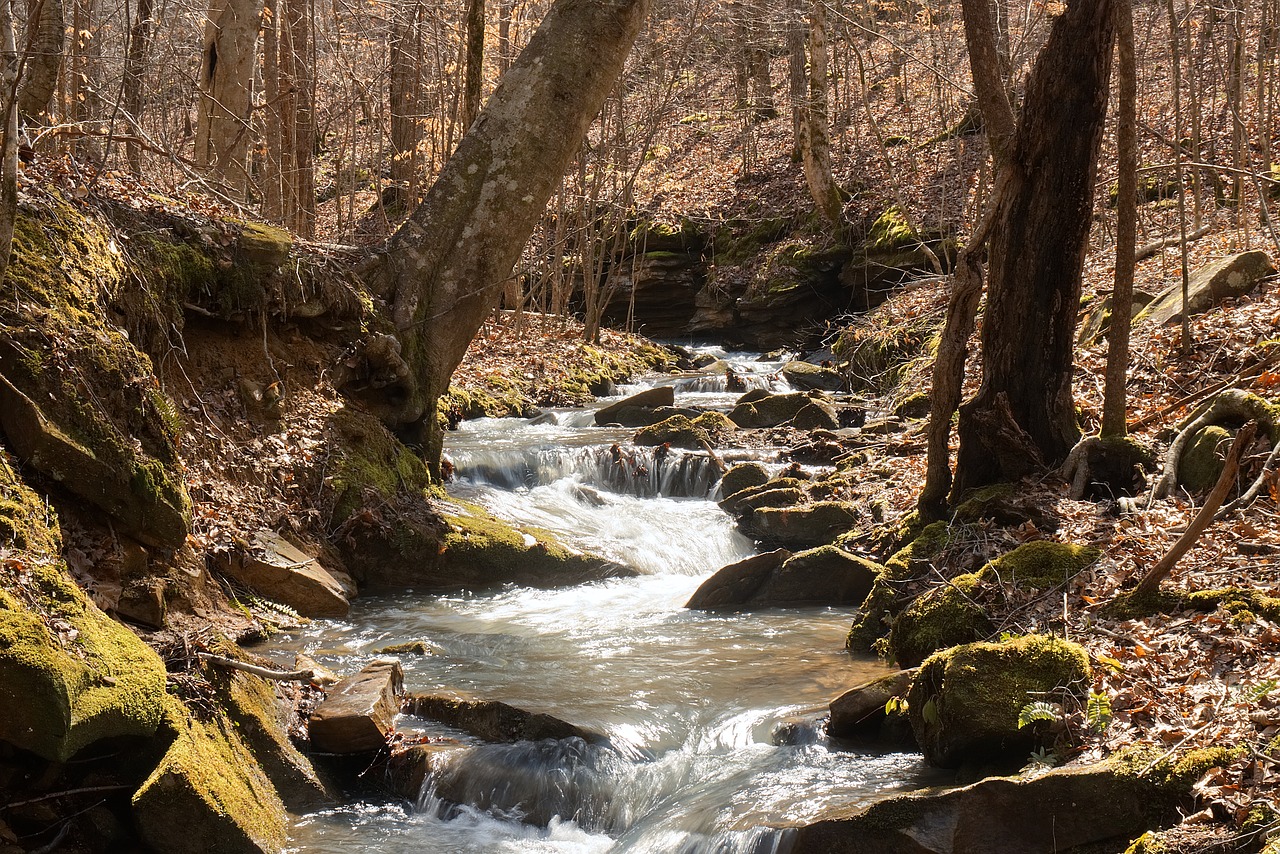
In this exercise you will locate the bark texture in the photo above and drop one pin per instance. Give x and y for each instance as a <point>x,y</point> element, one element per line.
<point>453,256</point>
<point>815,136</point>
<point>226,85</point>
<point>1023,415</point>
<point>41,74</point>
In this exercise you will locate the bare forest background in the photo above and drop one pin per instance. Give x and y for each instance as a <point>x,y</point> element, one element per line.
<point>332,118</point>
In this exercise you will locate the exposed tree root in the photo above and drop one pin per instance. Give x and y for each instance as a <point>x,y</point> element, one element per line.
<point>1231,404</point>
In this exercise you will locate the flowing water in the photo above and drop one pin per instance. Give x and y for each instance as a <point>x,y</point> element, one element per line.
<point>709,718</point>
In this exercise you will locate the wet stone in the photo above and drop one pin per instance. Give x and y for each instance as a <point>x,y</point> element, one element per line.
<point>360,710</point>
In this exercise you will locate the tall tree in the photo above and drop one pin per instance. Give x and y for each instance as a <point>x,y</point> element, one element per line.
<point>131,87</point>
<point>450,261</point>
<point>40,79</point>
<point>228,52</point>
<point>814,141</point>
<point>1037,227</point>
<point>474,79</point>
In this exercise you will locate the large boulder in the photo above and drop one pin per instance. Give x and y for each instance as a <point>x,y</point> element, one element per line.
<point>802,527</point>
<point>1233,276</point>
<point>208,795</point>
<point>1095,808</point>
<point>806,377</point>
<point>965,701</point>
<point>826,575</point>
<point>742,477</point>
<point>679,431</point>
<point>493,720</point>
<point>652,398</point>
<point>818,415</point>
<point>771,410</point>
<point>738,582</point>
<point>280,571</point>
<point>1203,458</point>
<point>780,492</point>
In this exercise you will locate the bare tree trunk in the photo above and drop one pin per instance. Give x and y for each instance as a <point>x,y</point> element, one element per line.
<point>131,87</point>
<point>44,63</point>
<point>473,84</point>
<point>226,87</point>
<point>404,91</point>
<point>273,177</point>
<point>504,35</point>
<point>1023,415</point>
<point>815,141</point>
<point>9,149</point>
<point>1114,409</point>
<point>797,73</point>
<point>450,261</point>
<point>298,78</point>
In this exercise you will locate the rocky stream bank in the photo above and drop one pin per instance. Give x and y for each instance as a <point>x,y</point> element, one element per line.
<point>189,467</point>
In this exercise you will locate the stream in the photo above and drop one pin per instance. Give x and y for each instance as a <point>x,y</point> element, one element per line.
<point>691,702</point>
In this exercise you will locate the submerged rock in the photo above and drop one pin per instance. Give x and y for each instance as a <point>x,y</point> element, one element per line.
<point>493,720</point>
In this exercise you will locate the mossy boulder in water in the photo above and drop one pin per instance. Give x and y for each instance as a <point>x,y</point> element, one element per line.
<point>742,477</point>
<point>780,492</point>
<point>69,674</point>
<point>821,576</point>
<point>804,526</point>
<point>208,795</point>
<point>771,410</point>
<point>806,376</point>
<point>965,701</point>
<point>679,431</point>
<point>818,415</point>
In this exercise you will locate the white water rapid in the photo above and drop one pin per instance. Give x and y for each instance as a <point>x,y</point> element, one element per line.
<point>691,702</point>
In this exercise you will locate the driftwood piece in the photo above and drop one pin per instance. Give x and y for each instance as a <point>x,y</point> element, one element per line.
<point>1150,582</point>
<point>264,672</point>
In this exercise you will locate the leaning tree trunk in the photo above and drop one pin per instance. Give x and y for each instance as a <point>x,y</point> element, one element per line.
<point>452,258</point>
<point>226,87</point>
<point>1023,416</point>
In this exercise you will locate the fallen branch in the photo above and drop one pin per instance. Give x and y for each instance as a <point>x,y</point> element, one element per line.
<point>1252,492</point>
<point>1150,582</point>
<point>1248,373</point>
<point>1146,251</point>
<point>264,672</point>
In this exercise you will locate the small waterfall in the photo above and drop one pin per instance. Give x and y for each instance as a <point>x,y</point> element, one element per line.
<point>628,470</point>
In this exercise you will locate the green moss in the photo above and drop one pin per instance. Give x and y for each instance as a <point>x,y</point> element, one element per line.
<point>1147,843</point>
<point>1202,460</point>
<point>1235,600</point>
<point>881,353</point>
<point>948,615</point>
<point>1172,776</point>
<point>739,240</point>
<point>1043,564</point>
<point>978,690</point>
<point>680,431</point>
<point>887,594</point>
<point>69,675</point>
<point>368,465</point>
<point>208,793</point>
<point>891,231</point>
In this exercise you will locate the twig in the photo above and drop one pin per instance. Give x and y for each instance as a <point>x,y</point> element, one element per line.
<point>1245,374</point>
<point>264,672</point>
<point>1252,492</point>
<point>1146,251</point>
<point>1150,582</point>
<point>67,792</point>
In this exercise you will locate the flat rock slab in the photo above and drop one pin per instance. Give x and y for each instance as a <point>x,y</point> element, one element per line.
<point>493,720</point>
<point>1232,276</point>
<point>1058,811</point>
<point>280,571</point>
<point>360,710</point>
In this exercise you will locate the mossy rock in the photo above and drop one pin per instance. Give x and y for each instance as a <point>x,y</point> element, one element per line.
<point>679,431</point>
<point>769,411</point>
<point>1241,603</point>
<point>1203,458</point>
<point>826,575</point>
<point>806,376</point>
<point>69,674</point>
<point>744,476</point>
<point>368,466</point>
<point>804,526</point>
<point>913,406</point>
<point>208,795</point>
<point>879,356</point>
<point>965,702</point>
<point>818,415</point>
<point>1043,564</point>
<point>887,597</point>
<point>783,492</point>
<point>946,616</point>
